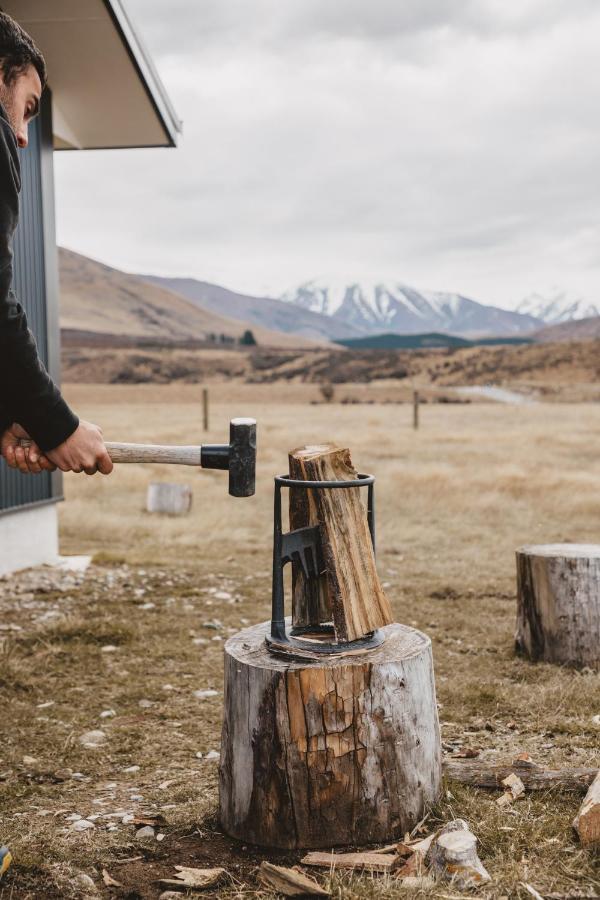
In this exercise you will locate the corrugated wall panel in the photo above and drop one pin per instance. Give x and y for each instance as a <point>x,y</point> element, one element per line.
<point>18,490</point>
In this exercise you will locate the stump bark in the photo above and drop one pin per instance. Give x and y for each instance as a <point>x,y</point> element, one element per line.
<point>349,591</point>
<point>558,603</point>
<point>331,752</point>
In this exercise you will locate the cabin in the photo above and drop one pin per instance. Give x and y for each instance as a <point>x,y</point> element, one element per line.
<point>103,93</point>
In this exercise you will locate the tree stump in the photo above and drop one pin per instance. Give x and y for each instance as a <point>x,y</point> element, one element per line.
<point>558,603</point>
<point>171,499</point>
<point>331,752</point>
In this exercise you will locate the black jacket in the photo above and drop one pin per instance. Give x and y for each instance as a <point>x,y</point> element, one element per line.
<point>27,393</point>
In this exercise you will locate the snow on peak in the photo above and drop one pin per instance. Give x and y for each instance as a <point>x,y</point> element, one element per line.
<point>400,308</point>
<point>558,306</point>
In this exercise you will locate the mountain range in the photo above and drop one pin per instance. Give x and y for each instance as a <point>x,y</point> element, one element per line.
<point>100,299</point>
<point>402,309</point>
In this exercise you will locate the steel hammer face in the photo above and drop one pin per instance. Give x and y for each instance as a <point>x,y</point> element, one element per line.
<point>242,457</point>
<point>239,456</point>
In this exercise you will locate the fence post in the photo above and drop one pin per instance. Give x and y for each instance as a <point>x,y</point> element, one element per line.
<point>205,408</point>
<point>415,409</point>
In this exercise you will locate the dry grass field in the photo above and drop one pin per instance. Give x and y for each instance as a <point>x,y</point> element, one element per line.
<point>454,500</point>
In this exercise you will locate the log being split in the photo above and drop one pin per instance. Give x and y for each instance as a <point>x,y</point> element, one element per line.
<point>558,603</point>
<point>350,591</point>
<point>535,778</point>
<point>319,754</point>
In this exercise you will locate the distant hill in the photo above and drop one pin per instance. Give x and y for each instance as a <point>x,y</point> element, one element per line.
<point>576,330</point>
<point>264,312</point>
<point>398,308</point>
<point>392,341</point>
<point>99,299</point>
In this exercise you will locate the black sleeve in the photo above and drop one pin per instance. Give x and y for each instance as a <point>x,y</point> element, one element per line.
<point>27,393</point>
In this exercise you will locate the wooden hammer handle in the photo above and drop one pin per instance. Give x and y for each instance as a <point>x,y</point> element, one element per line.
<point>154,453</point>
<point>149,453</point>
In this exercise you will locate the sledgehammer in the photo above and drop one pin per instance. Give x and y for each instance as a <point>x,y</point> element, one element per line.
<point>238,456</point>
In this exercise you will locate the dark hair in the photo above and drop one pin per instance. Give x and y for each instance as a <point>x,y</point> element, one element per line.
<point>18,51</point>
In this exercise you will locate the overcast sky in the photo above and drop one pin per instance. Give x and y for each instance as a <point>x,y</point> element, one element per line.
<point>445,144</point>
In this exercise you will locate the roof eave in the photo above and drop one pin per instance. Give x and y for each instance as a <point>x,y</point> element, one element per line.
<point>170,122</point>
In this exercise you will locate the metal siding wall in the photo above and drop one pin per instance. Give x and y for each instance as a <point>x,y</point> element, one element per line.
<point>29,283</point>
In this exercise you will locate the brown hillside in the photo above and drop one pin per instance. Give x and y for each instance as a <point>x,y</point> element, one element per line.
<point>578,330</point>
<point>99,299</point>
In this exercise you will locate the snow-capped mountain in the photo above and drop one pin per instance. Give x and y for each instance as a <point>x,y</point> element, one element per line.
<point>558,306</point>
<point>402,309</point>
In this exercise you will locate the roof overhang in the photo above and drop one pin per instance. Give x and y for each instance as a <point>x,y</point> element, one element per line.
<point>105,90</point>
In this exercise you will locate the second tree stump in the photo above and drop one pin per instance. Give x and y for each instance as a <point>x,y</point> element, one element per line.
<point>558,603</point>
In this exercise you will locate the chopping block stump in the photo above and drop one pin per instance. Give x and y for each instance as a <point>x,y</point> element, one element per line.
<point>558,603</point>
<point>337,751</point>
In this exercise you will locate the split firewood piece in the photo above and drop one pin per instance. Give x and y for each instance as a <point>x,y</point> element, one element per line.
<point>453,857</point>
<point>418,882</point>
<point>587,820</point>
<point>199,879</point>
<point>482,774</point>
<point>355,596</point>
<point>514,788</point>
<point>374,862</point>
<point>310,596</point>
<point>290,882</point>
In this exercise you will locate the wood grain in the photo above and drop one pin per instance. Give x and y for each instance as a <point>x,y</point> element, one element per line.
<point>351,592</point>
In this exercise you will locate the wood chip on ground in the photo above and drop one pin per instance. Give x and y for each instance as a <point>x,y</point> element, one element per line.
<point>290,882</point>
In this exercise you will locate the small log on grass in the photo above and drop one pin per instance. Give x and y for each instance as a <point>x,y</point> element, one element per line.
<point>535,778</point>
<point>170,499</point>
<point>558,603</point>
<point>453,857</point>
<point>351,589</point>
<point>587,820</point>
<point>330,752</point>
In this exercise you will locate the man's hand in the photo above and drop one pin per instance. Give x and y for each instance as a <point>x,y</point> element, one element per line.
<point>84,451</point>
<point>27,459</point>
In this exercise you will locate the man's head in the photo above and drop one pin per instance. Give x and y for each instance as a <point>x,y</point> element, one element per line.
<point>22,76</point>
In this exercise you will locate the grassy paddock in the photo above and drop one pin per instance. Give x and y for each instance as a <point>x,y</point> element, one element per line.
<point>453,501</point>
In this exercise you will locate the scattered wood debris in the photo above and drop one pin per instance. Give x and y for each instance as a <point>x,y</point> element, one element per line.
<point>453,857</point>
<point>587,820</point>
<point>109,881</point>
<point>371,860</point>
<point>418,882</point>
<point>290,882</point>
<point>151,819</point>
<point>531,890</point>
<point>514,788</point>
<point>479,773</point>
<point>194,878</point>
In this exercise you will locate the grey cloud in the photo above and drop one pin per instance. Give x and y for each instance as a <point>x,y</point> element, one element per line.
<point>468,162</point>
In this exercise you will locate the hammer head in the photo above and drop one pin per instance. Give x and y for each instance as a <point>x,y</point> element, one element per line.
<point>242,457</point>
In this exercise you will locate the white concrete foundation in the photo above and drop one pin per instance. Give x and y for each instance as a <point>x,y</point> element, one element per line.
<point>28,537</point>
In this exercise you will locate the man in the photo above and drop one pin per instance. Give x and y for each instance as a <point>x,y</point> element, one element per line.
<point>31,406</point>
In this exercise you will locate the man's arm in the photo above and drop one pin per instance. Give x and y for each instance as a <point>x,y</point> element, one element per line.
<point>27,393</point>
